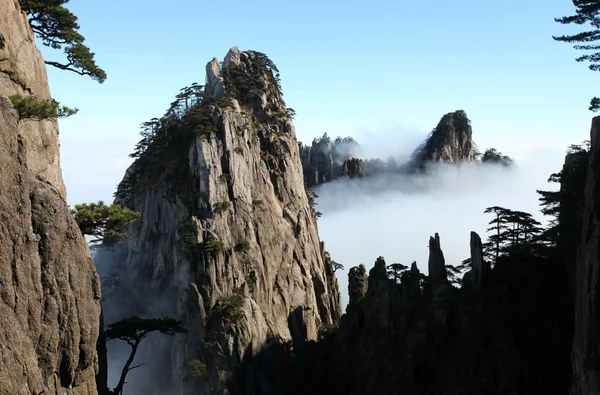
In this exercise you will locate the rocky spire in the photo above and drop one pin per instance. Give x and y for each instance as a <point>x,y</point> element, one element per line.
<point>357,284</point>
<point>414,285</point>
<point>353,168</point>
<point>227,240</point>
<point>479,269</point>
<point>451,142</point>
<point>437,264</point>
<point>379,270</point>
<point>326,160</point>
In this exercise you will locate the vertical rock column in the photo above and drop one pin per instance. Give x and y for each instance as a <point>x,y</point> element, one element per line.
<point>437,263</point>
<point>479,270</point>
<point>586,342</point>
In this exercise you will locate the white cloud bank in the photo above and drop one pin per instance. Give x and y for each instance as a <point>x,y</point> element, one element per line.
<point>393,215</point>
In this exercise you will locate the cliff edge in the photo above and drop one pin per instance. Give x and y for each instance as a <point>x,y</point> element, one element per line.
<point>49,289</point>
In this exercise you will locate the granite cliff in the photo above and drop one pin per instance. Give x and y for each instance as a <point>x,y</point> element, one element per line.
<point>586,342</point>
<point>227,240</point>
<point>49,289</point>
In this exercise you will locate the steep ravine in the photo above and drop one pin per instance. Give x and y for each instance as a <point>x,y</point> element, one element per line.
<point>227,241</point>
<point>49,289</point>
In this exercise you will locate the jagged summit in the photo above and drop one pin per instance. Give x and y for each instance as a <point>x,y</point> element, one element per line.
<point>227,239</point>
<point>451,141</point>
<point>248,77</point>
<point>326,159</point>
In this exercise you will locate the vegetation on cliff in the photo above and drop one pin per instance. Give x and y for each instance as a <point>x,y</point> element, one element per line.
<point>29,107</point>
<point>57,28</point>
<point>586,11</point>
<point>107,224</point>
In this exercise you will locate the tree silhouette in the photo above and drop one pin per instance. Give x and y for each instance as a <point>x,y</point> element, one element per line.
<point>492,155</point>
<point>395,271</point>
<point>513,232</point>
<point>133,330</point>
<point>586,11</point>
<point>57,27</point>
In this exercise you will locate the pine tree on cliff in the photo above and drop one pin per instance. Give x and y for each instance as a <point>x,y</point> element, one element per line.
<point>57,27</point>
<point>106,223</point>
<point>511,232</point>
<point>587,11</point>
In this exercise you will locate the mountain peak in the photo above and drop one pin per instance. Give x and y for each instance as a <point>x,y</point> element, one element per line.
<point>451,141</point>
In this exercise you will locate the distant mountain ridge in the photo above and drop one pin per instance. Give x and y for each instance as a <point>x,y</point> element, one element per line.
<point>451,141</point>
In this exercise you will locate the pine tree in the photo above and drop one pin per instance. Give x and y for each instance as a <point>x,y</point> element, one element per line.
<point>133,330</point>
<point>587,11</point>
<point>512,232</point>
<point>57,27</point>
<point>106,223</point>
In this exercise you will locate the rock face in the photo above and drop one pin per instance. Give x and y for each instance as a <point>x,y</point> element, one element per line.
<point>353,168</point>
<point>586,343</point>
<point>437,263</point>
<point>326,160</point>
<point>480,268</point>
<point>357,284</point>
<point>23,72</point>
<point>451,142</point>
<point>227,240</point>
<point>49,289</point>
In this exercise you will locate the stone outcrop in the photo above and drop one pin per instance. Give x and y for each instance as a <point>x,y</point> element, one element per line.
<point>479,267</point>
<point>436,263</point>
<point>586,343</point>
<point>450,142</point>
<point>227,240</point>
<point>357,284</point>
<point>353,168</point>
<point>49,289</point>
<point>326,160</point>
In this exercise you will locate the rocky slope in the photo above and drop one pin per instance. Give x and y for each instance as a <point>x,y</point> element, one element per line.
<point>586,343</point>
<point>49,289</point>
<point>227,240</point>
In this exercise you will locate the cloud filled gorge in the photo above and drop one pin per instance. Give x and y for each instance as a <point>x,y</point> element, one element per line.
<point>393,215</point>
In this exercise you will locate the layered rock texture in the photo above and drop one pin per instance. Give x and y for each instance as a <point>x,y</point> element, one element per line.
<point>49,289</point>
<point>22,71</point>
<point>227,240</point>
<point>586,343</point>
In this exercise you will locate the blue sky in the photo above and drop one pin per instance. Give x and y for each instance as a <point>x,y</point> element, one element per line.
<point>381,71</point>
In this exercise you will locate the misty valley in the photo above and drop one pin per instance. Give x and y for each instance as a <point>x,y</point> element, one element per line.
<point>236,259</point>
